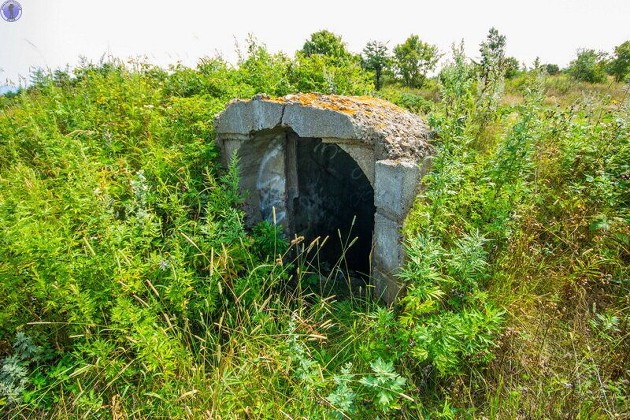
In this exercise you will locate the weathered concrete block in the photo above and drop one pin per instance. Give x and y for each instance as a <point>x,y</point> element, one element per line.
<point>395,187</point>
<point>229,148</point>
<point>266,116</point>
<point>315,122</point>
<point>262,179</point>
<point>245,117</point>
<point>271,182</point>
<point>388,252</point>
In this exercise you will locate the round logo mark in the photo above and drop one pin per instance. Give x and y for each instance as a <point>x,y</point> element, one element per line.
<point>11,10</point>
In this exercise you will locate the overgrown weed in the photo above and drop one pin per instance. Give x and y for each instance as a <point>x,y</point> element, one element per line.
<point>130,287</point>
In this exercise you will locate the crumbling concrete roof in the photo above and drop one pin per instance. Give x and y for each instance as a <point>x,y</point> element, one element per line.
<point>393,132</point>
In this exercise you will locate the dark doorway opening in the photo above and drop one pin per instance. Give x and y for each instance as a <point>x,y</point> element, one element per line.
<point>335,199</point>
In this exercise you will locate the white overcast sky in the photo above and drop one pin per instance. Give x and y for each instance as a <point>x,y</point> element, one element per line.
<point>53,33</point>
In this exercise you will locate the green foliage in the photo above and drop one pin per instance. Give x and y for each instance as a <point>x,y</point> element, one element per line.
<point>619,66</point>
<point>386,384</point>
<point>492,70</point>
<point>325,66</point>
<point>413,59</point>
<point>124,232</point>
<point>494,241</point>
<point>451,322</point>
<point>129,286</point>
<point>268,240</point>
<point>14,369</point>
<point>448,320</point>
<point>512,67</point>
<point>552,69</point>
<point>376,58</point>
<point>324,74</point>
<point>265,72</point>
<point>457,81</point>
<point>554,248</point>
<point>327,44</point>
<point>588,66</point>
<point>413,102</point>
<point>343,397</point>
<point>493,61</point>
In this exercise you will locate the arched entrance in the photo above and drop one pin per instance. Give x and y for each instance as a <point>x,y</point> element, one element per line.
<point>334,200</point>
<point>314,190</point>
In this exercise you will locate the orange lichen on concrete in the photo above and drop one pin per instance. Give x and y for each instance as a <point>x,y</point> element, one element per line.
<point>392,131</point>
<point>349,105</point>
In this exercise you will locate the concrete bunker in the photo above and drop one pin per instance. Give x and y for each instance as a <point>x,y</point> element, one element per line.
<point>319,164</point>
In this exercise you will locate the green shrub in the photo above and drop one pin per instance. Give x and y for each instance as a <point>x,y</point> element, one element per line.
<point>588,66</point>
<point>129,285</point>
<point>619,66</point>
<point>324,74</point>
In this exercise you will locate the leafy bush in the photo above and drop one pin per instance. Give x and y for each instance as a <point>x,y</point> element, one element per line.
<point>130,287</point>
<point>324,74</point>
<point>619,66</point>
<point>265,72</point>
<point>483,237</point>
<point>327,44</point>
<point>588,66</point>
<point>113,240</point>
<point>552,69</point>
<point>512,67</point>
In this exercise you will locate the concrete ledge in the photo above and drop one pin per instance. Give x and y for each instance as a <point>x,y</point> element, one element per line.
<point>392,132</point>
<point>245,117</point>
<point>315,122</point>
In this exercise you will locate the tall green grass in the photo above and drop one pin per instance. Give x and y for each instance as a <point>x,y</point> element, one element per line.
<point>527,212</point>
<point>129,287</point>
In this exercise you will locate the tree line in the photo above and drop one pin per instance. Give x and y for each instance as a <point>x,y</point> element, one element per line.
<point>411,61</point>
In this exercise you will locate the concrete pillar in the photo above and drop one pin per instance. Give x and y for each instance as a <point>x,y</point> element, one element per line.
<point>395,188</point>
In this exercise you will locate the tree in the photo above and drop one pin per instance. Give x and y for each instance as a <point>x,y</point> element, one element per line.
<point>620,65</point>
<point>457,82</point>
<point>265,72</point>
<point>325,43</point>
<point>536,65</point>
<point>492,64</point>
<point>376,58</point>
<point>552,69</point>
<point>588,66</point>
<point>414,59</point>
<point>512,67</point>
<point>325,65</point>
<point>324,74</point>
<point>491,70</point>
